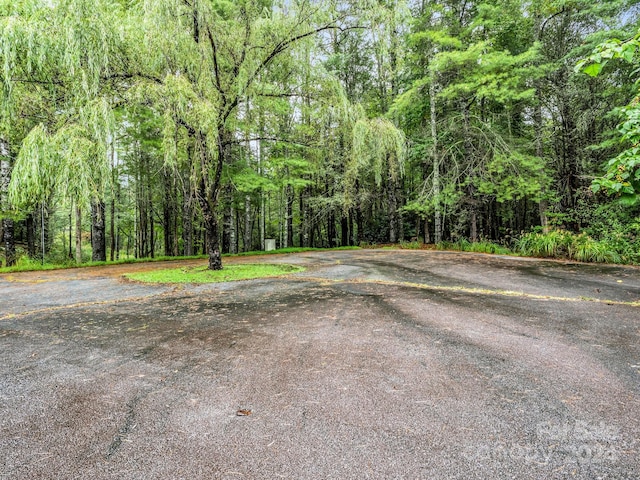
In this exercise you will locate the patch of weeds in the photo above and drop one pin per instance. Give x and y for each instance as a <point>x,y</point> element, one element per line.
<point>464,245</point>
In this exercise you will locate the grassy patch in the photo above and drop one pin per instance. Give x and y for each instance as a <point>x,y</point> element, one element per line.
<point>28,265</point>
<point>229,273</point>
<point>476,247</point>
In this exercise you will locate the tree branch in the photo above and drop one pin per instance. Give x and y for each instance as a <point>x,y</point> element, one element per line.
<point>216,68</point>
<point>547,20</point>
<point>283,45</point>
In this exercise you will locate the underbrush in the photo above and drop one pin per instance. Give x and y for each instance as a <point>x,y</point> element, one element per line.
<point>465,245</point>
<point>580,247</point>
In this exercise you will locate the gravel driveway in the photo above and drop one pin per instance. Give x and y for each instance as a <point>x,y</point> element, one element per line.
<point>370,364</point>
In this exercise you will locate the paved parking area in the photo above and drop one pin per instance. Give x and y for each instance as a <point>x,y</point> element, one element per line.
<point>370,364</point>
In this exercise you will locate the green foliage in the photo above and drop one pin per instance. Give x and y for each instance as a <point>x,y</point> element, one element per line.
<point>450,113</point>
<point>554,244</point>
<point>378,147</point>
<point>622,177</point>
<point>413,245</point>
<point>377,144</point>
<point>488,74</point>
<point>563,244</point>
<point>464,245</point>
<point>514,176</point>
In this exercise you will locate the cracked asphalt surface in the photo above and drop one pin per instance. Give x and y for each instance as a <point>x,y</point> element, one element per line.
<point>370,364</point>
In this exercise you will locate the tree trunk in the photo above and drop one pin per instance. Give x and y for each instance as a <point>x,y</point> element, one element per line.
<point>344,231</point>
<point>8,229</point>
<point>112,228</point>
<point>78,235</point>
<point>187,225</point>
<point>208,191</point>
<point>246,239</point>
<point>98,232</point>
<point>474,224</point>
<point>70,253</point>
<point>212,239</point>
<point>152,232</point>
<point>543,205</point>
<point>352,234</point>
<point>437,220</point>
<point>305,217</point>
<point>112,207</point>
<point>392,208</point>
<point>331,229</point>
<point>427,236</point>
<point>359,224</point>
<point>289,212</point>
<point>31,236</point>
<point>168,213</point>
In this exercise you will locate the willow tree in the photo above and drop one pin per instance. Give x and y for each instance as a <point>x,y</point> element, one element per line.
<point>66,56</point>
<point>65,164</point>
<point>202,60</point>
<point>378,149</point>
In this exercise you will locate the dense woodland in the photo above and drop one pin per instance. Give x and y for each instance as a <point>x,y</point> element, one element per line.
<point>182,127</point>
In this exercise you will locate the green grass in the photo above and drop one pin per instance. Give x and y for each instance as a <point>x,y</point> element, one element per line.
<point>230,273</point>
<point>28,265</point>
<point>464,245</point>
<point>25,264</point>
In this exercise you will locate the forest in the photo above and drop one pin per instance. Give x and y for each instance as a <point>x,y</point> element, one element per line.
<point>140,128</point>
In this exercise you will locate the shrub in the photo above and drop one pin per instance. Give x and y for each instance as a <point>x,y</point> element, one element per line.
<point>562,244</point>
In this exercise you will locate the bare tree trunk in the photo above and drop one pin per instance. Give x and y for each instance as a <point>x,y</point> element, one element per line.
<point>8,229</point>
<point>246,240</point>
<point>331,218</point>
<point>208,191</point>
<point>112,207</point>
<point>289,212</point>
<point>112,227</point>
<point>78,235</point>
<point>212,238</point>
<point>70,253</point>
<point>427,235</point>
<point>471,190</point>
<point>187,223</point>
<point>352,234</point>
<point>168,212</point>
<point>229,223</point>
<point>437,221</point>
<point>152,232</point>
<point>344,231</point>
<point>31,236</point>
<point>98,232</point>
<point>393,211</point>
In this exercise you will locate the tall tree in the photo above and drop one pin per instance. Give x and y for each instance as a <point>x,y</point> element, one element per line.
<point>210,57</point>
<point>64,54</point>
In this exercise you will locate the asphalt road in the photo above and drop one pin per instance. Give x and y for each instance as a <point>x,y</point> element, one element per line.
<point>370,364</point>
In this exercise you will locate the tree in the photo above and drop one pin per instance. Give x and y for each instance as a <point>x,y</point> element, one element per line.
<point>63,55</point>
<point>219,56</point>
<point>622,176</point>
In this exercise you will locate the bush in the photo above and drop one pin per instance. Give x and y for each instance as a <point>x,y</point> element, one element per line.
<point>563,244</point>
<point>554,244</point>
